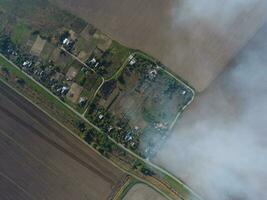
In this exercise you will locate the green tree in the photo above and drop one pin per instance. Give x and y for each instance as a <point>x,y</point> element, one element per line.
<point>80,125</point>
<point>5,70</point>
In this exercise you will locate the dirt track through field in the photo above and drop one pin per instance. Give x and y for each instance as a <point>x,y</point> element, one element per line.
<point>42,160</point>
<point>194,39</point>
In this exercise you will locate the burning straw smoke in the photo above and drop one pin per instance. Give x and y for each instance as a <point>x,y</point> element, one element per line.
<point>219,147</point>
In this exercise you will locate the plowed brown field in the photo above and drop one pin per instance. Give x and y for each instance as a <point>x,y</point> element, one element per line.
<point>41,160</point>
<point>196,40</point>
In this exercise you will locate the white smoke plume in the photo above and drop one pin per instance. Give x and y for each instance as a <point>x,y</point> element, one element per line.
<point>216,13</point>
<point>219,146</point>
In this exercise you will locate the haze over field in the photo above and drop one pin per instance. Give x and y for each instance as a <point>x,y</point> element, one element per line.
<point>220,143</point>
<point>219,146</point>
<point>195,39</point>
<point>213,33</point>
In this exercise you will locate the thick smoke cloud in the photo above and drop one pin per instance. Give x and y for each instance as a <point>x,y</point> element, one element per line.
<point>217,13</point>
<point>210,33</point>
<point>219,147</point>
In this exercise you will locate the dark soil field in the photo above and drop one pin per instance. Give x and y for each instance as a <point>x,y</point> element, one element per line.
<point>196,40</point>
<point>41,160</point>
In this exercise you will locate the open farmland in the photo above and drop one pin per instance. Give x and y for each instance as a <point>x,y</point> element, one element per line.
<point>142,192</point>
<point>195,45</point>
<point>42,160</point>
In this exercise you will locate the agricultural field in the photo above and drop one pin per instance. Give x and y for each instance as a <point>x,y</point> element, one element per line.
<point>57,166</point>
<point>143,192</point>
<point>195,44</point>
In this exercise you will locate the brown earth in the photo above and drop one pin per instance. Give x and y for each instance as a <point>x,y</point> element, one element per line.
<point>195,45</point>
<point>41,160</point>
<point>74,93</point>
<point>143,192</point>
<point>38,46</point>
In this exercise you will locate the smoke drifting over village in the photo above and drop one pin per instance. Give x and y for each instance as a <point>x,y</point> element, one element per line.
<point>219,146</point>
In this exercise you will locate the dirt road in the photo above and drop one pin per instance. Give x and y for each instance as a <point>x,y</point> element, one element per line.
<point>41,160</point>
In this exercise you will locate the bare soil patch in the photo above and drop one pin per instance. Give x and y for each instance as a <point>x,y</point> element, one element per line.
<point>74,93</point>
<point>38,46</point>
<point>143,192</point>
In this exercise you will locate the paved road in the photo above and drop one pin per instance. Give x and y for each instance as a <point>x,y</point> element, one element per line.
<point>40,160</point>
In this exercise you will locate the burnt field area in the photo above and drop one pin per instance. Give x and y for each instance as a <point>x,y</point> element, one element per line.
<point>41,160</point>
